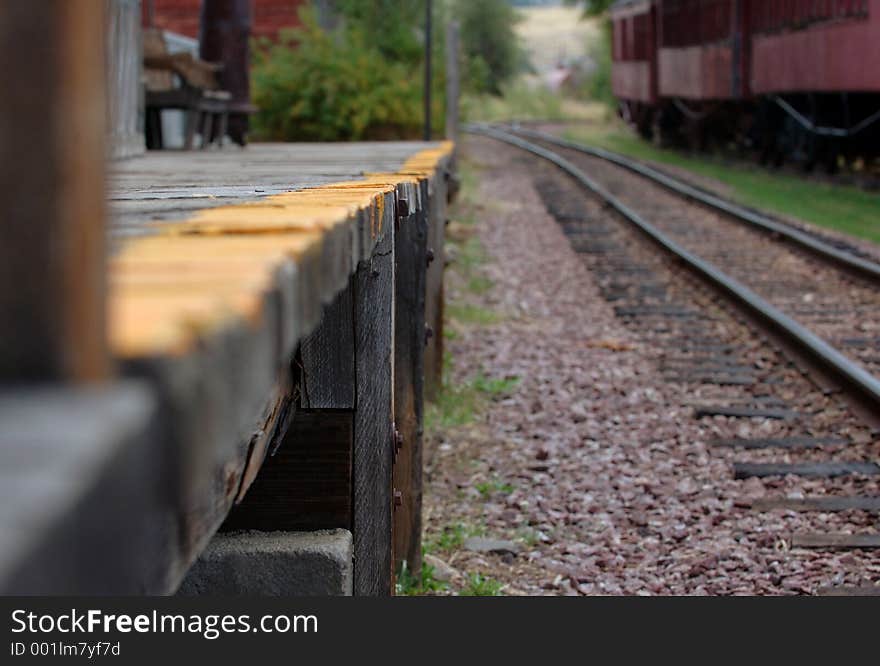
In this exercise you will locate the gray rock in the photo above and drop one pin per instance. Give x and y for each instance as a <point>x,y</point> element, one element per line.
<point>494,546</point>
<point>442,571</point>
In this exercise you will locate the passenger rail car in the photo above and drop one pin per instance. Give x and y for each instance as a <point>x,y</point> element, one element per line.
<point>793,79</point>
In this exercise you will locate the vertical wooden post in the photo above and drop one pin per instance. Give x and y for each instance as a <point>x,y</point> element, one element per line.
<point>225,30</point>
<point>52,125</point>
<point>434,289</point>
<point>410,249</point>
<point>373,429</point>
<point>453,81</point>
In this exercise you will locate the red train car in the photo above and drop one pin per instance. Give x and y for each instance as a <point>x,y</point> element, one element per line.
<point>815,77</point>
<point>634,58</point>
<point>792,78</point>
<point>699,49</point>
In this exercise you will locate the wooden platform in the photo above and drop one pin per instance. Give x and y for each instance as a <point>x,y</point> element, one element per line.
<point>246,286</point>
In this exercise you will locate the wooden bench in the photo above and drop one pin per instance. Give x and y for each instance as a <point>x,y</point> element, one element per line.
<point>198,94</point>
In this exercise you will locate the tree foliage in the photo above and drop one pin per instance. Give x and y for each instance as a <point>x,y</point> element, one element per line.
<point>489,43</point>
<point>592,7</point>
<point>394,26</point>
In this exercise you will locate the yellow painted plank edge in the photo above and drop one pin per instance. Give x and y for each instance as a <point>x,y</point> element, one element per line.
<point>213,269</point>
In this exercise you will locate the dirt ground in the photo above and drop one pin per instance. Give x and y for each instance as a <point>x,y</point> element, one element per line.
<point>558,437</point>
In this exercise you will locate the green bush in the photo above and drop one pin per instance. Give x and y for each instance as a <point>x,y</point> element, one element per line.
<point>317,85</point>
<point>598,84</point>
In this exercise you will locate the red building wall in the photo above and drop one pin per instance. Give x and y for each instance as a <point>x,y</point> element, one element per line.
<point>270,16</point>
<point>182,16</point>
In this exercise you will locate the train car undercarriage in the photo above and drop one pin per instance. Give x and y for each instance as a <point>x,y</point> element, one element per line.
<point>831,131</point>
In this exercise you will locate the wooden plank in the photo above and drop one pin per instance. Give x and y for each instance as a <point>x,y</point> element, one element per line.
<point>327,358</point>
<point>831,503</point>
<point>410,246</point>
<point>52,125</point>
<point>214,408</point>
<point>306,484</point>
<point>833,541</point>
<point>374,340</point>
<point>822,470</point>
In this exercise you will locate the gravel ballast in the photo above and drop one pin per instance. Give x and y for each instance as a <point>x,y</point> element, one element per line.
<point>593,462</point>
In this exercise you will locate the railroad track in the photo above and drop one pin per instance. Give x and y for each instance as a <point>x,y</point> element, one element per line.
<point>761,332</point>
<point>846,255</point>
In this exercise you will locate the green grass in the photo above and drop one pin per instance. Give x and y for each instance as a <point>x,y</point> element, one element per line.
<point>470,256</point>
<point>452,537</point>
<point>521,100</point>
<point>459,404</point>
<point>479,285</point>
<point>473,315</point>
<point>479,585</point>
<point>409,585</point>
<point>528,536</point>
<point>469,179</point>
<point>489,488</point>
<point>494,387</point>
<point>843,208</point>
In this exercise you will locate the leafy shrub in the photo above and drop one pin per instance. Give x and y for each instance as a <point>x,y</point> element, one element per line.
<point>598,84</point>
<point>327,86</point>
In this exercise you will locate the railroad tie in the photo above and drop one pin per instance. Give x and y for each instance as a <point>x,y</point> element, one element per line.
<point>779,442</point>
<point>849,591</point>
<point>740,412</point>
<point>830,504</point>
<point>835,541</point>
<point>822,470</point>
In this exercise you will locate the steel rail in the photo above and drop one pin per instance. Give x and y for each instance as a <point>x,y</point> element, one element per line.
<point>852,375</point>
<point>863,267</point>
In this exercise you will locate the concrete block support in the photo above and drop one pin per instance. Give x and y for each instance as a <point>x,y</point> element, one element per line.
<point>273,564</point>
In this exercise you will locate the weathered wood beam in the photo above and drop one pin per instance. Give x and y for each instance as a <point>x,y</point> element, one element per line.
<point>434,286</point>
<point>373,430</point>
<point>410,249</point>
<point>52,130</point>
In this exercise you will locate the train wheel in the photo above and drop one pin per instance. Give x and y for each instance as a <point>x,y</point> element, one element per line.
<point>645,124</point>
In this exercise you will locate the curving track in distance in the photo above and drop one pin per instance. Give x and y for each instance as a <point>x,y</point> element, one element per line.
<point>849,375</point>
<point>843,257</point>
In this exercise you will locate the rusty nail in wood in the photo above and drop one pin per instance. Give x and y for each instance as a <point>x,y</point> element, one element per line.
<point>398,498</point>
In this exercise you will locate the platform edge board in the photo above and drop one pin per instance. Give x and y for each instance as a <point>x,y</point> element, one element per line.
<point>209,321</point>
